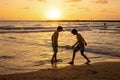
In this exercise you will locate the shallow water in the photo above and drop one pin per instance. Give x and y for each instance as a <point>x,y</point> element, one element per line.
<point>21,52</point>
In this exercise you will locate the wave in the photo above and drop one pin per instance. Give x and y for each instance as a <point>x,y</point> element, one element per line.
<point>13,29</point>
<point>103,51</point>
<point>67,27</point>
<point>96,50</point>
<point>6,57</point>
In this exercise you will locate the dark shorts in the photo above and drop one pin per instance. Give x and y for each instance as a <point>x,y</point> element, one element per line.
<point>55,47</point>
<point>80,47</point>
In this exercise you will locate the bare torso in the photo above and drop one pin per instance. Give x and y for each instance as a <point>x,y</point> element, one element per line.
<point>54,37</point>
<point>80,38</point>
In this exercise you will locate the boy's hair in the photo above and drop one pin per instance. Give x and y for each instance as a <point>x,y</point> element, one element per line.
<point>59,28</point>
<point>74,31</point>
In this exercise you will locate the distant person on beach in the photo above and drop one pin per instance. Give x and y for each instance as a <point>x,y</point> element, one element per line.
<point>79,45</point>
<point>105,26</point>
<point>54,39</point>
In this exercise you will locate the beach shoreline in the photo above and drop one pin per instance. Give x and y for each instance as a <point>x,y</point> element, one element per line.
<point>106,69</point>
<point>95,71</point>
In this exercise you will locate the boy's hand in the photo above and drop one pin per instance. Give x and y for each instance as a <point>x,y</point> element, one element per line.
<point>72,47</point>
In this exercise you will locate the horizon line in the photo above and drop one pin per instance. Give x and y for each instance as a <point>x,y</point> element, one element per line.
<point>60,20</point>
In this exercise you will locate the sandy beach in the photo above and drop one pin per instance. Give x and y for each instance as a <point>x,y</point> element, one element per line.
<point>106,68</point>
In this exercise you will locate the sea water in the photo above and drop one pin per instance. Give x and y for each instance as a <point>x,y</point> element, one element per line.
<point>26,46</point>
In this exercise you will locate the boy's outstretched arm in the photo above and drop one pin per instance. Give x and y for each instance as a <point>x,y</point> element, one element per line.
<point>74,45</point>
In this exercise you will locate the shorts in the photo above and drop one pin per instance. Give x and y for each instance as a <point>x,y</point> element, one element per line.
<point>80,47</point>
<point>55,47</point>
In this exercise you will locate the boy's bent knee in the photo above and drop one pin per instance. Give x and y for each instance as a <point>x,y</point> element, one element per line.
<point>74,51</point>
<point>82,53</point>
<point>55,51</point>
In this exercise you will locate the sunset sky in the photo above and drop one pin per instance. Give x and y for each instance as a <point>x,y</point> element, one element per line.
<point>59,9</point>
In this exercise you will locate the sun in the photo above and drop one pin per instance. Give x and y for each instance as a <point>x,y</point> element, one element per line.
<point>53,14</point>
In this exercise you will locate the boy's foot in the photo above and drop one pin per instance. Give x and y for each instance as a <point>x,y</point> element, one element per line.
<point>52,61</point>
<point>56,60</point>
<point>71,63</point>
<point>87,62</point>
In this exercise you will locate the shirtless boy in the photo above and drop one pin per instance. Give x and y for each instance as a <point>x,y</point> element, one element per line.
<point>79,46</point>
<point>54,39</point>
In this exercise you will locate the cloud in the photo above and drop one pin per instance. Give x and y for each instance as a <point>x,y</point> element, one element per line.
<point>42,0</point>
<point>26,8</point>
<point>100,1</point>
<point>71,5</point>
<point>84,9</point>
<point>72,0</point>
<point>5,3</point>
<point>107,10</point>
<point>38,0</point>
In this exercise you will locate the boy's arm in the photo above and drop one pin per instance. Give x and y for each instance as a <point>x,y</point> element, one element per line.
<point>80,38</point>
<point>84,41</point>
<point>74,44</point>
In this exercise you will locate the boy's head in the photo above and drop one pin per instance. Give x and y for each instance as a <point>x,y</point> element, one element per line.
<point>59,28</point>
<point>74,31</point>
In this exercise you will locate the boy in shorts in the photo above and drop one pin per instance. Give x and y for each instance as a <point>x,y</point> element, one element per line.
<point>79,45</point>
<point>54,39</point>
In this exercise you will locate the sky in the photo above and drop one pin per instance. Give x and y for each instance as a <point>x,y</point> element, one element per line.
<point>59,9</point>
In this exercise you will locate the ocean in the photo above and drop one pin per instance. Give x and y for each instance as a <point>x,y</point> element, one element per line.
<point>26,45</point>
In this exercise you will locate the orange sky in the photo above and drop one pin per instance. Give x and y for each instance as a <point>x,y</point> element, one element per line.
<point>67,9</point>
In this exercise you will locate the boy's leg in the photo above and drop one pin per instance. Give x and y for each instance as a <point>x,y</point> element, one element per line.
<point>54,57</point>
<point>73,57</point>
<point>55,51</point>
<point>52,60</point>
<point>82,53</point>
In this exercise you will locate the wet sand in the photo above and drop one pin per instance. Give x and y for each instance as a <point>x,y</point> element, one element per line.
<point>108,70</point>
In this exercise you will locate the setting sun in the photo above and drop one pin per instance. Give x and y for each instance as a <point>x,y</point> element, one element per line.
<point>53,14</point>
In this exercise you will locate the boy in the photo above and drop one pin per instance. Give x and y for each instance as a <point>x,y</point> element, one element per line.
<point>79,45</point>
<point>54,39</point>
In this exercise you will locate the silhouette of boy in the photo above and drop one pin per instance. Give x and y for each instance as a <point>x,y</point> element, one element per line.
<point>79,45</point>
<point>54,39</point>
